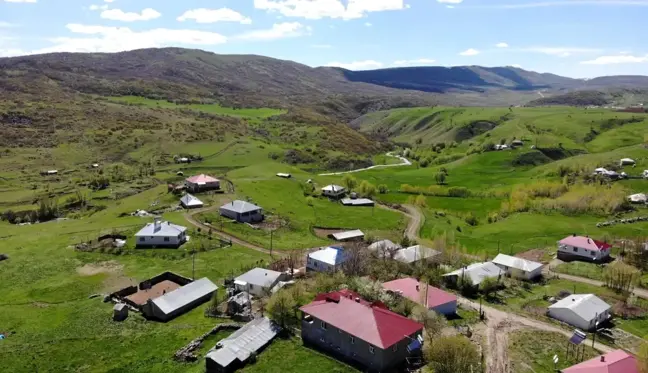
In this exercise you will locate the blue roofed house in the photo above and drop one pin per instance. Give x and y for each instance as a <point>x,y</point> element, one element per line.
<point>161,234</point>
<point>328,259</point>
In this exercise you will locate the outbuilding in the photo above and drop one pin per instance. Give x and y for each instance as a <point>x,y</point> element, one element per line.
<point>518,267</point>
<point>180,300</point>
<point>333,191</point>
<point>584,311</point>
<point>284,175</point>
<point>242,212</point>
<point>161,234</point>
<point>328,259</point>
<point>120,312</point>
<point>201,183</point>
<point>259,281</point>
<point>638,198</point>
<point>627,162</point>
<point>189,201</point>
<point>355,235</point>
<point>358,202</point>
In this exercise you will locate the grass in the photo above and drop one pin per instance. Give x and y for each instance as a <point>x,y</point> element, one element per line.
<point>532,351</point>
<point>581,269</point>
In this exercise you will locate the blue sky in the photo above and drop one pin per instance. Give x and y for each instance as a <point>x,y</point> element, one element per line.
<point>578,38</point>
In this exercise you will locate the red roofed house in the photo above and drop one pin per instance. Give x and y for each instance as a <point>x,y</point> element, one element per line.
<point>201,183</point>
<point>359,331</point>
<point>432,298</point>
<point>583,248</point>
<point>617,361</point>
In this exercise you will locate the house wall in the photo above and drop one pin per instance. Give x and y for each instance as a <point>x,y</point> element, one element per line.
<point>449,308</point>
<point>328,193</point>
<point>319,266</point>
<point>253,216</point>
<point>159,241</point>
<point>197,188</point>
<point>257,290</point>
<point>347,347</point>
<point>570,317</point>
<point>520,274</point>
<point>579,253</point>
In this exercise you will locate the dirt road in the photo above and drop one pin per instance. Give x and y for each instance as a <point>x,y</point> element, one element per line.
<point>404,162</point>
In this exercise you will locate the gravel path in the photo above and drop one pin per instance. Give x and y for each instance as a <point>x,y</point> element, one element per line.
<point>404,162</point>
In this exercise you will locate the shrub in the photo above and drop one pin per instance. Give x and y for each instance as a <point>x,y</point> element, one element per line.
<point>458,192</point>
<point>471,219</point>
<point>382,188</point>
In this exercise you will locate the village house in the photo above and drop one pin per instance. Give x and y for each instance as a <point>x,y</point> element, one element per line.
<point>233,352</point>
<point>189,201</point>
<point>431,298</point>
<point>161,234</point>
<point>583,248</point>
<point>176,302</point>
<point>259,281</point>
<point>584,311</point>
<point>358,331</point>
<point>518,267</point>
<point>202,183</point>
<point>414,254</point>
<point>333,191</point>
<point>617,361</point>
<point>474,273</point>
<point>242,212</point>
<point>384,247</point>
<point>328,259</point>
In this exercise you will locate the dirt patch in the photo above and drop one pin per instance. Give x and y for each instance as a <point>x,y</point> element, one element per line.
<point>92,269</point>
<point>535,255</point>
<point>270,224</point>
<point>157,290</point>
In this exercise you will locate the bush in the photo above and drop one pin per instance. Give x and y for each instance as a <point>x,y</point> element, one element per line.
<point>382,189</point>
<point>471,219</point>
<point>458,192</point>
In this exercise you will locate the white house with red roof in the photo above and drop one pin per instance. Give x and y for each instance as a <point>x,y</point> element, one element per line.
<point>428,296</point>
<point>359,331</point>
<point>617,361</point>
<point>583,248</point>
<point>202,182</point>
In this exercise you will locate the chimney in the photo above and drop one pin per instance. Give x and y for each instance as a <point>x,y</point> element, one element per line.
<point>157,223</point>
<point>602,358</point>
<point>417,287</point>
<point>357,300</point>
<point>573,234</point>
<point>589,241</point>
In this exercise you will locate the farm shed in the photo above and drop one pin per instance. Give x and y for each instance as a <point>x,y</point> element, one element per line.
<point>259,281</point>
<point>242,212</point>
<point>49,173</point>
<point>3,257</point>
<point>189,201</point>
<point>285,176</point>
<point>357,202</point>
<point>180,300</point>
<point>233,352</point>
<point>431,298</point>
<point>475,273</point>
<point>516,143</point>
<point>583,311</point>
<point>333,191</point>
<point>355,235</point>
<point>202,182</point>
<point>617,361</point>
<point>120,312</point>
<point>638,198</point>
<point>413,254</point>
<point>627,162</point>
<point>327,259</point>
<point>518,267</point>
<point>161,234</point>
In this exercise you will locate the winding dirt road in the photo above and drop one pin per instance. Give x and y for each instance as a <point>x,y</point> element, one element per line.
<point>404,162</point>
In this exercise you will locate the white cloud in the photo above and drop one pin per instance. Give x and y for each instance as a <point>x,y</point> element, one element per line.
<point>318,9</point>
<point>368,24</point>
<point>469,52</point>
<point>357,65</point>
<point>416,62</point>
<point>98,7</point>
<point>502,45</point>
<point>322,46</point>
<point>561,51</point>
<point>7,24</point>
<point>203,15</point>
<point>619,59</point>
<point>278,31</point>
<point>119,15</point>
<point>544,4</point>
<point>450,1</point>
<point>20,1</point>
<point>109,1</point>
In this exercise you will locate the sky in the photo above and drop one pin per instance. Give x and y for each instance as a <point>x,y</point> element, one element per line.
<point>576,38</point>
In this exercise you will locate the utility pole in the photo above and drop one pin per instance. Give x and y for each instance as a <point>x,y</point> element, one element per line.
<point>271,233</point>
<point>193,264</point>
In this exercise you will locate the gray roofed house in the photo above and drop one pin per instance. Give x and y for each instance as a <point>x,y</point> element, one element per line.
<point>242,211</point>
<point>333,191</point>
<point>384,245</point>
<point>518,267</point>
<point>259,281</point>
<point>584,311</point>
<point>180,300</point>
<point>161,234</point>
<point>414,254</point>
<point>189,201</point>
<point>475,273</point>
<point>233,352</point>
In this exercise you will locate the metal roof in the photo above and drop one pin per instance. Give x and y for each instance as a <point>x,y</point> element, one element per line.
<point>477,272</point>
<point>617,361</point>
<point>202,179</point>
<point>190,200</point>
<point>163,229</point>
<point>340,236</point>
<point>333,188</point>
<point>259,276</point>
<point>517,263</point>
<point>584,243</point>
<point>384,245</point>
<point>330,255</point>
<point>415,253</point>
<point>182,296</point>
<point>357,202</point>
<point>243,342</point>
<point>586,306</point>
<point>240,207</point>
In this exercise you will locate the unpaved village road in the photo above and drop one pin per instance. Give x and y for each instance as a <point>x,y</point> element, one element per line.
<point>404,162</point>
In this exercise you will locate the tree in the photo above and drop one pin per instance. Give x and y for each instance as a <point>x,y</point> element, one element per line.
<point>281,308</point>
<point>356,258</point>
<point>350,182</point>
<point>621,277</point>
<point>310,201</point>
<point>382,188</point>
<point>432,321</point>
<point>452,354</point>
<point>642,358</point>
<point>488,285</point>
<point>420,201</point>
<point>367,189</point>
<point>440,178</point>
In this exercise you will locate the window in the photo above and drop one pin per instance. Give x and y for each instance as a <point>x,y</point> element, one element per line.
<point>575,249</point>
<point>142,239</point>
<point>315,264</point>
<point>592,253</point>
<point>371,349</point>
<point>352,340</point>
<point>166,239</point>
<point>323,325</point>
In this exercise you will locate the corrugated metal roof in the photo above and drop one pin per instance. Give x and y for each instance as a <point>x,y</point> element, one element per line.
<point>357,202</point>
<point>180,297</point>
<point>330,255</point>
<point>518,263</point>
<point>166,229</point>
<point>240,206</point>
<point>190,200</point>
<point>348,235</point>
<point>384,245</point>
<point>259,276</point>
<point>617,361</point>
<point>586,306</point>
<point>333,188</point>
<point>415,253</point>
<point>477,272</point>
<point>243,342</point>
<point>202,179</point>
